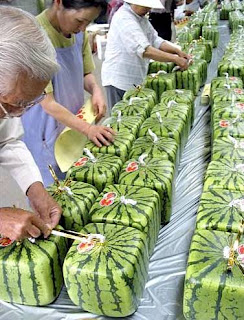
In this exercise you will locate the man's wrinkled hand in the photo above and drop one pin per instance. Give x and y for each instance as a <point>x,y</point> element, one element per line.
<point>44,205</point>
<point>17,224</point>
<point>99,105</point>
<point>100,135</point>
<point>182,63</point>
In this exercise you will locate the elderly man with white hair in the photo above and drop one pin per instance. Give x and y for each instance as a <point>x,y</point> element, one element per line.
<point>27,63</point>
<point>131,43</point>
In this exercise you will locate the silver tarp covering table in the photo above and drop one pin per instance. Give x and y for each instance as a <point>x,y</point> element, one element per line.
<point>163,295</point>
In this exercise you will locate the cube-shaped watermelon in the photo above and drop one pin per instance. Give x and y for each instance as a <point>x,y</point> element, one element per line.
<point>228,126</point>
<point>130,206</point>
<point>160,82</point>
<point>134,107</point>
<point>225,94</point>
<point>124,124</point>
<point>160,147</point>
<point>100,171</point>
<point>222,110</point>
<point>75,199</point>
<point>229,148</point>
<point>222,82</point>
<point>179,96</point>
<point>31,273</point>
<point>189,79</point>
<point>220,209</point>
<point>174,110</point>
<point>156,173</point>
<point>167,127</point>
<point>155,66</point>
<point>108,278</point>
<point>120,147</point>
<point>211,292</point>
<point>142,92</point>
<point>226,174</point>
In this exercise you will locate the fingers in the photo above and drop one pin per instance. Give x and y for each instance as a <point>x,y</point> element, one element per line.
<point>38,223</point>
<point>34,231</point>
<point>55,217</point>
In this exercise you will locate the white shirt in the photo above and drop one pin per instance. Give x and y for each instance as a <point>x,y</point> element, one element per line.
<point>128,37</point>
<point>14,155</point>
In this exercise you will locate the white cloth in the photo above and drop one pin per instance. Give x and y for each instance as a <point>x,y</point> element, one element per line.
<point>14,155</point>
<point>128,37</point>
<point>194,5</point>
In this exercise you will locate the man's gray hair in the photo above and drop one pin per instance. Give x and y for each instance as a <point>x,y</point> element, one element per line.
<point>24,47</point>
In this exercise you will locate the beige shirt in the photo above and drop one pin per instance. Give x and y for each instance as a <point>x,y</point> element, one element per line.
<point>14,155</point>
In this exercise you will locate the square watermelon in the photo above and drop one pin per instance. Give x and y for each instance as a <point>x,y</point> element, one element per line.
<point>134,107</point>
<point>120,147</point>
<point>129,206</point>
<point>141,92</point>
<point>156,147</point>
<point>31,273</point>
<point>228,126</point>
<point>225,174</point>
<point>166,127</point>
<point>160,82</point>
<point>156,173</point>
<point>124,124</point>
<point>99,170</point>
<point>212,292</point>
<point>220,209</point>
<point>108,278</point>
<point>228,148</point>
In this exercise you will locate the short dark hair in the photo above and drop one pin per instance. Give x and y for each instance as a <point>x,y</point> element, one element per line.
<point>79,4</point>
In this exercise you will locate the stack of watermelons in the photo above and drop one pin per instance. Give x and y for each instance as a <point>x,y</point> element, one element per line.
<point>214,287</point>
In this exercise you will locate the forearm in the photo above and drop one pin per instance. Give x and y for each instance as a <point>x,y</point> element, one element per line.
<point>90,83</point>
<point>169,47</point>
<point>159,55</point>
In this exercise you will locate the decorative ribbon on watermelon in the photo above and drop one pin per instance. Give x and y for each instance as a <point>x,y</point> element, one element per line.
<point>134,99</point>
<point>141,159</point>
<point>178,91</point>
<point>127,201</point>
<point>226,74</point>
<point>171,103</point>
<point>235,251</point>
<point>237,144</point>
<point>153,136</point>
<point>227,86</point>
<point>159,117</point>
<point>89,155</point>
<point>119,118</point>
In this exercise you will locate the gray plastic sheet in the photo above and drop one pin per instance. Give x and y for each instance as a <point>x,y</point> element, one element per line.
<point>163,294</point>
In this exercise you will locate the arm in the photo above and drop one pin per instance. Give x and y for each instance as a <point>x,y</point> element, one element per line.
<point>16,158</point>
<point>98,100</point>
<point>161,56</point>
<point>98,134</point>
<point>90,83</point>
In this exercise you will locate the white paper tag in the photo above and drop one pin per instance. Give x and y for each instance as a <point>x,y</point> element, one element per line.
<point>153,135</point>
<point>141,159</point>
<point>159,117</point>
<point>90,155</point>
<point>128,201</point>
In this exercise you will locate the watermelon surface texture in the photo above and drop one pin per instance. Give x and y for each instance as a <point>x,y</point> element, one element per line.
<point>225,174</point>
<point>212,293</point>
<point>229,148</point>
<point>136,107</point>
<point>75,199</point>
<point>31,273</point>
<point>156,174</point>
<point>109,279</point>
<point>130,206</point>
<point>220,209</point>
<point>99,172</point>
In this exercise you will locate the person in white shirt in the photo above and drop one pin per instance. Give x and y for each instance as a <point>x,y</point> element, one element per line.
<point>131,43</point>
<point>27,63</point>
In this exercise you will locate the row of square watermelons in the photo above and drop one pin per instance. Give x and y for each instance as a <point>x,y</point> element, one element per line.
<point>123,192</point>
<point>214,286</point>
<point>136,185</point>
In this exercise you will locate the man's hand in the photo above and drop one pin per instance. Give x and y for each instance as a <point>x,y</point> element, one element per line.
<point>99,104</point>
<point>17,224</point>
<point>183,54</point>
<point>44,205</point>
<point>100,135</point>
<point>182,63</point>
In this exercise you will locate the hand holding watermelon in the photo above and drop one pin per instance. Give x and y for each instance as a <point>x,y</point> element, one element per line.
<point>17,224</point>
<point>44,205</point>
<point>100,135</point>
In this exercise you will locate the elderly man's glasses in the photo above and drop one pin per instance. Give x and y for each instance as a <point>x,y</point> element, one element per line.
<point>21,107</point>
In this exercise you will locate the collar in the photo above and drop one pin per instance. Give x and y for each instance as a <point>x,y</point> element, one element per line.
<point>128,8</point>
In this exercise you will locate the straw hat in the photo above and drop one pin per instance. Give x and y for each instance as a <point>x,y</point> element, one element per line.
<point>155,4</point>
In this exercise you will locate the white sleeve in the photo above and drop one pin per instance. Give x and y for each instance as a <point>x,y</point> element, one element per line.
<point>14,155</point>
